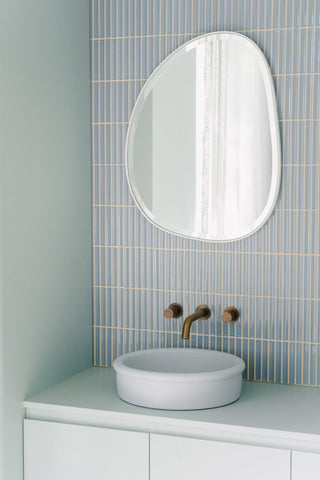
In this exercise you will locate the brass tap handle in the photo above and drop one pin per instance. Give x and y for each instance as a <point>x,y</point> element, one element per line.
<point>230,314</point>
<point>175,310</point>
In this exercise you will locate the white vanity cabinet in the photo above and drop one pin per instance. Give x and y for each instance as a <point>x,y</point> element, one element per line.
<point>80,429</point>
<point>175,458</point>
<point>56,451</point>
<point>305,466</point>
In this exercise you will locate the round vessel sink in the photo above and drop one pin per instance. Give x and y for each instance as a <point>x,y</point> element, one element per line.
<point>179,379</point>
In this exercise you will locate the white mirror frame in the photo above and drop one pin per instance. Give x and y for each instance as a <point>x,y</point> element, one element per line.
<point>274,135</point>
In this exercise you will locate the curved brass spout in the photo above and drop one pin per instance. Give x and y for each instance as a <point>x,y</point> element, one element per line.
<point>202,312</point>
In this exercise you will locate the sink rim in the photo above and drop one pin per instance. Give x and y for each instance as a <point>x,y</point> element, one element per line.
<point>120,367</point>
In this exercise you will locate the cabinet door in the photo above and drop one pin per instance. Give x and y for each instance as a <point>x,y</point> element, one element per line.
<point>177,458</point>
<point>305,466</point>
<point>56,451</point>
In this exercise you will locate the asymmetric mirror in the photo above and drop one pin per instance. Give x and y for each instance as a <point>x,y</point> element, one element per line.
<point>203,146</point>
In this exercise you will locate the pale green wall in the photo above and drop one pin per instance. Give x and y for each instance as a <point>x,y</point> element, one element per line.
<point>45,262</point>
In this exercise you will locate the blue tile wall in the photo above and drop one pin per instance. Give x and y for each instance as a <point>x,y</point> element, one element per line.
<point>272,276</point>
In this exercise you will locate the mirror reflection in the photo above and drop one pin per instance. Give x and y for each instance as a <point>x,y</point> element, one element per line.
<point>203,152</point>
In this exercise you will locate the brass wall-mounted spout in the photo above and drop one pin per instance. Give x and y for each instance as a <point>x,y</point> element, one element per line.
<point>202,312</point>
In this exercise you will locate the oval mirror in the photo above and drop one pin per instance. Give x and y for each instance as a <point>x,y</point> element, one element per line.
<point>203,146</point>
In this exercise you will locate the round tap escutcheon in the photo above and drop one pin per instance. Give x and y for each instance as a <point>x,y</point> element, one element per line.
<point>175,310</point>
<point>230,315</point>
<point>206,311</point>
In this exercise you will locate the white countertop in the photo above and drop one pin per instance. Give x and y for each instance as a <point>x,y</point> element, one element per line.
<point>283,416</point>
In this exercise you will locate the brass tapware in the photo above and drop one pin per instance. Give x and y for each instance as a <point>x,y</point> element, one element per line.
<point>202,312</point>
<point>175,310</point>
<point>230,314</point>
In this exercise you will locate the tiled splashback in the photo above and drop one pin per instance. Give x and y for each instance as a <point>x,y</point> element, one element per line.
<point>273,276</point>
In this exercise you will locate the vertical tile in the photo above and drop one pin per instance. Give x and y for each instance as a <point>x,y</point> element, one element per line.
<point>273,275</point>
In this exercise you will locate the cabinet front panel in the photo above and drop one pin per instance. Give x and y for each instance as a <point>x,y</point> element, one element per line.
<point>178,458</point>
<point>56,451</point>
<point>305,466</point>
